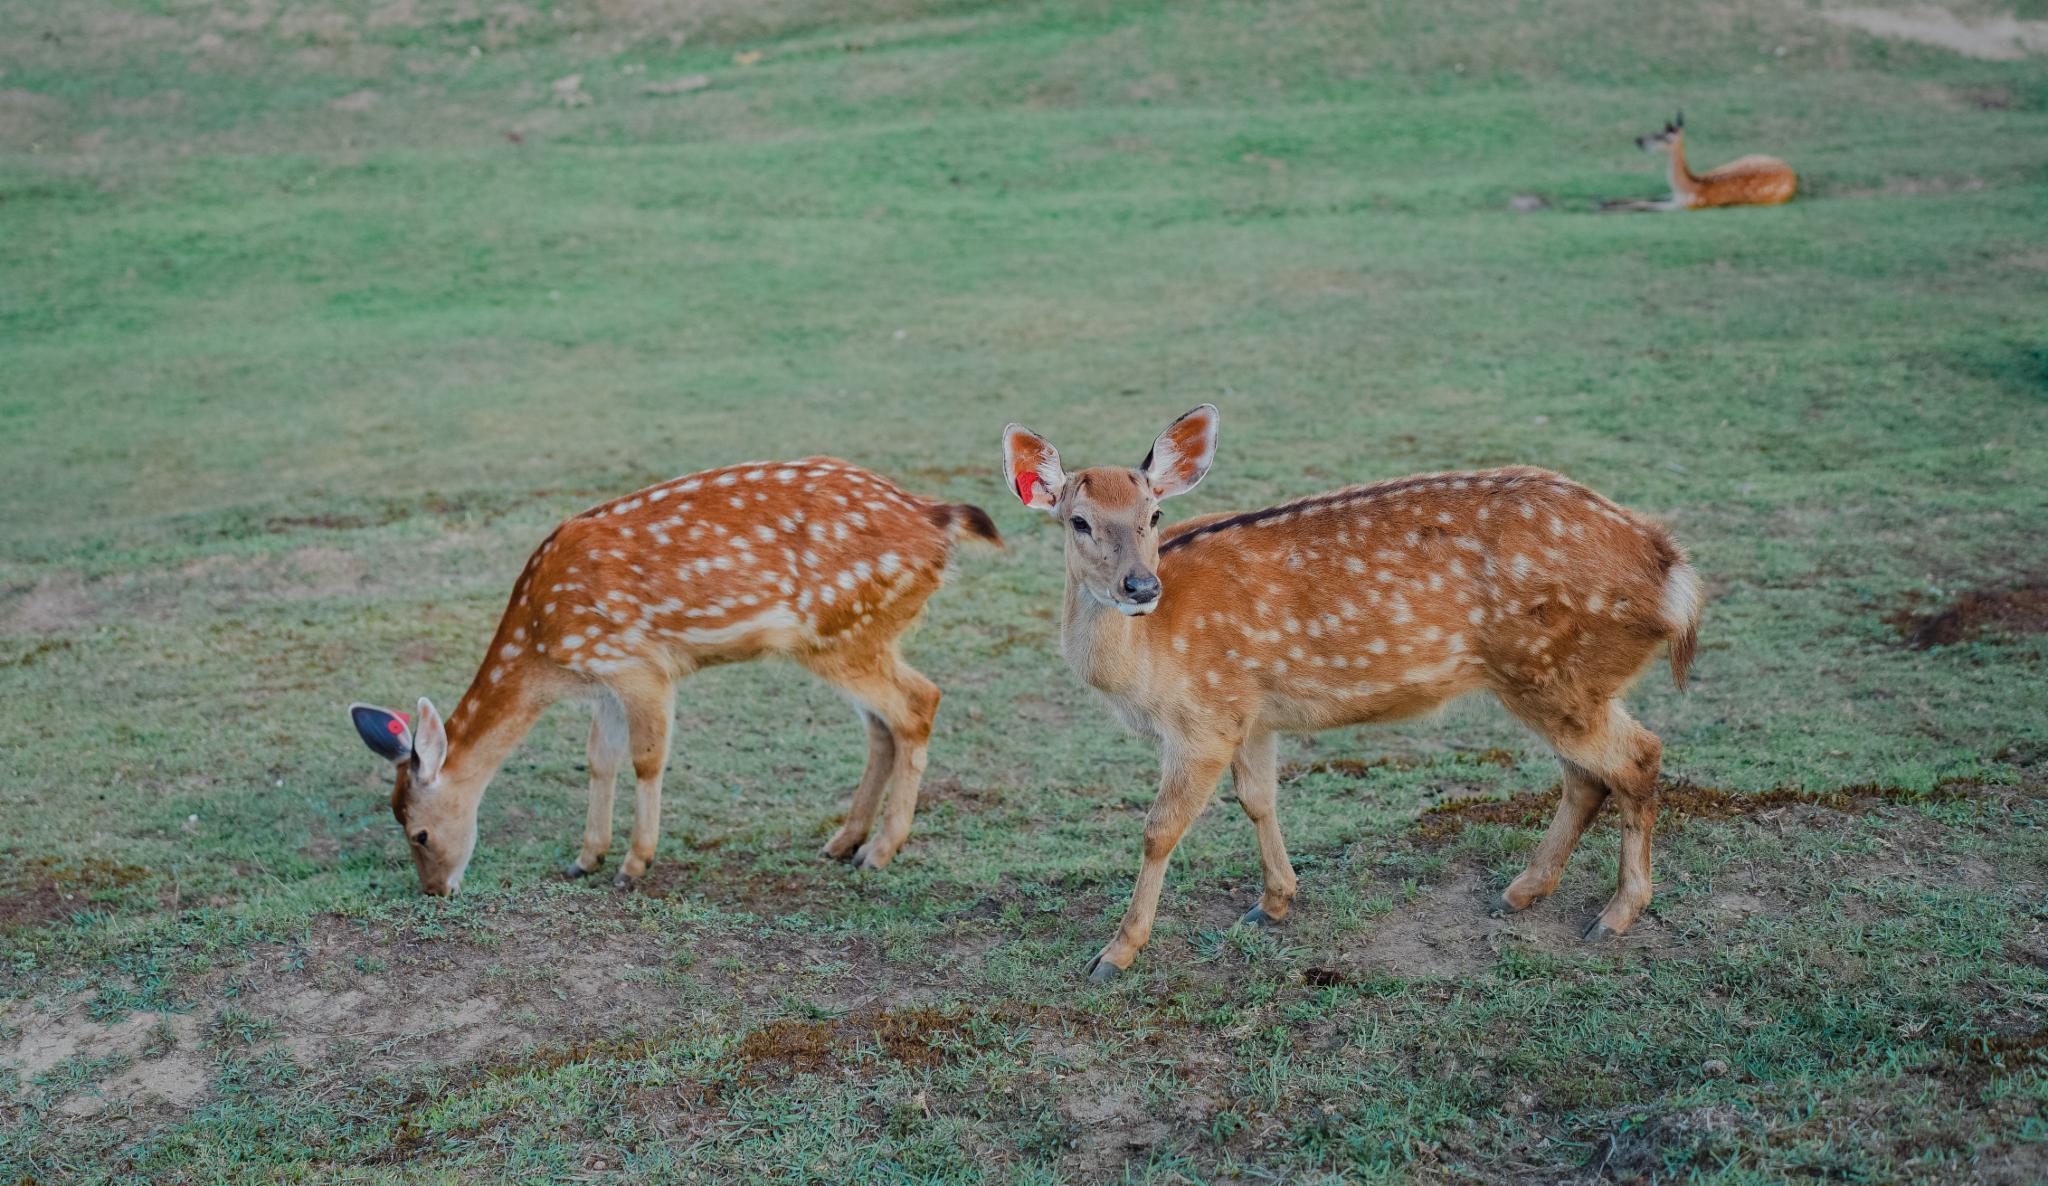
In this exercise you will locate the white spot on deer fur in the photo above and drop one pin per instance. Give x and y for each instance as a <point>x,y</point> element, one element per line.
<point>1355,565</point>
<point>692,484</point>
<point>1213,679</point>
<point>1521,566</point>
<point>889,563</point>
<point>1377,646</point>
<point>497,673</point>
<point>509,651</point>
<point>727,479</point>
<point>785,475</point>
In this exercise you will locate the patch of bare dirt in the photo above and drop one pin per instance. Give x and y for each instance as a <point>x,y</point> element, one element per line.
<point>151,1058</point>
<point>67,602</point>
<point>2002,38</point>
<point>1360,767</point>
<point>915,1037</point>
<point>1111,1120</point>
<point>1975,614</point>
<point>43,890</point>
<point>1675,798</point>
<point>28,118</point>
<point>1441,933</point>
<point>55,604</point>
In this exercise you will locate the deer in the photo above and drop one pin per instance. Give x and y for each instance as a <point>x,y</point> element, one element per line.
<point>1367,604</point>
<point>818,561</point>
<point>1754,180</point>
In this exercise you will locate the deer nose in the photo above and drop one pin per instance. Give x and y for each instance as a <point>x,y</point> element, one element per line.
<point>1142,588</point>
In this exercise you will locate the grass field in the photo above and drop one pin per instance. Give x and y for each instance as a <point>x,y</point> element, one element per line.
<point>316,315</point>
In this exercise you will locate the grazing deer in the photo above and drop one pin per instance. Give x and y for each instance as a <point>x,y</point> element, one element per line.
<point>1746,181</point>
<point>1371,603</point>
<point>816,560</point>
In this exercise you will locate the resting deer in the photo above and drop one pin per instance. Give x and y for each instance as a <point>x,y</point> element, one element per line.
<point>1371,603</point>
<point>815,560</point>
<point>1746,181</point>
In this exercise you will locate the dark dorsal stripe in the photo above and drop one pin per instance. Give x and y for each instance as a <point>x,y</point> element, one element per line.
<point>1335,498</point>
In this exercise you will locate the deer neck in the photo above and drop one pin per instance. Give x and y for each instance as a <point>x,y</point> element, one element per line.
<point>1101,645</point>
<point>1683,183</point>
<point>487,725</point>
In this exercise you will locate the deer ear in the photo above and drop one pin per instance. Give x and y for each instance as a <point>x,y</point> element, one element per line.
<point>1032,468</point>
<point>383,731</point>
<point>1181,455</point>
<point>429,743</point>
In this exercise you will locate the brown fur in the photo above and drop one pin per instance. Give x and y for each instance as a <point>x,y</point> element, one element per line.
<point>1373,603</point>
<point>1747,181</point>
<point>816,560</point>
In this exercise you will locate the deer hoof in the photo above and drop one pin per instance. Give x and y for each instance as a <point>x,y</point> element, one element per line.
<point>1257,917</point>
<point>1501,907</point>
<point>625,883</point>
<point>1101,970</point>
<point>575,869</point>
<point>869,859</point>
<point>1600,932</point>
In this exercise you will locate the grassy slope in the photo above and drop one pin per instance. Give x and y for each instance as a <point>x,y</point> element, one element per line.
<point>288,392</point>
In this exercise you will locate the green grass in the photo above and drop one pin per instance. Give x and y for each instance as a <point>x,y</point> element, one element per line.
<point>287,393</point>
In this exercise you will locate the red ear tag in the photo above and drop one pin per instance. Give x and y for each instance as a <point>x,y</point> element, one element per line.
<point>396,726</point>
<point>1025,482</point>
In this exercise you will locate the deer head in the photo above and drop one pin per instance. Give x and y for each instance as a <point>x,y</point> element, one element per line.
<point>1662,141</point>
<point>1111,514</point>
<point>438,817</point>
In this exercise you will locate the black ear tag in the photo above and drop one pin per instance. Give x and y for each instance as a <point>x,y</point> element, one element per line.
<point>384,731</point>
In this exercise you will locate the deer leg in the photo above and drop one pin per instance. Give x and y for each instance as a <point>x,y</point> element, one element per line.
<point>907,702</point>
<point>608,749</point>
<point>867,797</point>
<point>1185,784</point>
<point>1583,797</point>
<point>1625,757</point>
<point>650,710</point>
<point>1255,775</point>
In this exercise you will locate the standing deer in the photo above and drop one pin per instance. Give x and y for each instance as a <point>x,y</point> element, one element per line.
<point>1753,180</point>
<point>816,560</point>
<point>1371,603</point>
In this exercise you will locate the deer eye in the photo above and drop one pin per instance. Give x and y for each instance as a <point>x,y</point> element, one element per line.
<point>1081,526</point>
<point>1155,520</point>
<point>420,838</point>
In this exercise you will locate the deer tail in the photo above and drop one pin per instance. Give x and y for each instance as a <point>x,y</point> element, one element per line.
<point>1679,607</point>
<point>967,519</point>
